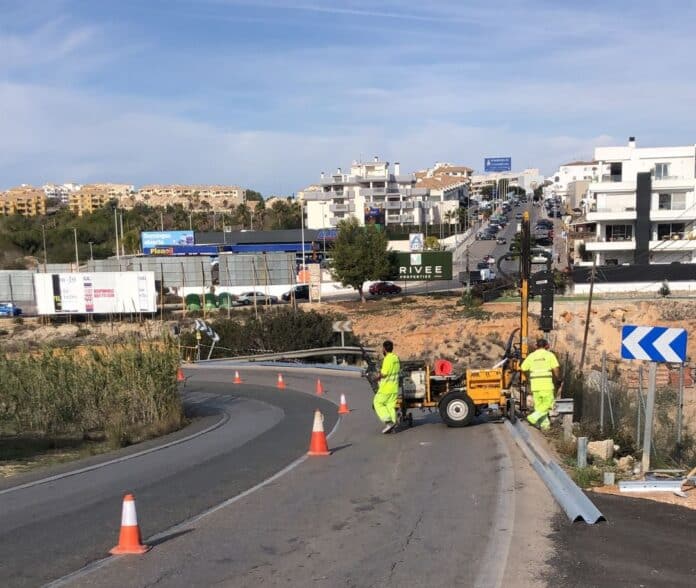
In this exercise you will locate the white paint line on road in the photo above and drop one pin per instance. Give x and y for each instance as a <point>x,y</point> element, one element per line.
<point>91,567</point>
<point>223,419</point>
<point>494,561</point>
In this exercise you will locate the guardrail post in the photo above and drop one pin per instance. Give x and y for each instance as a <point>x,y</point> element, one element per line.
<point>582,452</point>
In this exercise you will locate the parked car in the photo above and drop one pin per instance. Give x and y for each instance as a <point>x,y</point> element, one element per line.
<point>518,216</point>
<point>381,288</point>
<point>485,235</point>
<point>301,293</point>
<point>9,309</point>
<point>501,240</point>
<point>261,298</point>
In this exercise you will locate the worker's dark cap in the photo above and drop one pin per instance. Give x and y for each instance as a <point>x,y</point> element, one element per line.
<point>542,343</point>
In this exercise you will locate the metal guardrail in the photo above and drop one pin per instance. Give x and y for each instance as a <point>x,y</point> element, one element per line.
<point>300,354</point>
<point>572,500</point>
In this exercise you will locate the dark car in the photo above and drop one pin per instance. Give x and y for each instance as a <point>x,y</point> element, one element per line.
<point>301,293</point>
<point>501,240</point>
<point>382,288</point>
<point>485,235</point>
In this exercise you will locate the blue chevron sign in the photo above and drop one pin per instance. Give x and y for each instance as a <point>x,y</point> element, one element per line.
<point>659,344</point>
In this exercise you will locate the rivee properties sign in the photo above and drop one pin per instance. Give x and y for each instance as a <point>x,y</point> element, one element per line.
<point>497,164</point>
<point>428,265</point>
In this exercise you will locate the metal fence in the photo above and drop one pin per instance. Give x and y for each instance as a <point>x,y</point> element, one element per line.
<point>612,403</point>
<point>173,273</point>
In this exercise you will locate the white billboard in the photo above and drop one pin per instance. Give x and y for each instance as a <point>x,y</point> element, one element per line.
<point>95,293</point>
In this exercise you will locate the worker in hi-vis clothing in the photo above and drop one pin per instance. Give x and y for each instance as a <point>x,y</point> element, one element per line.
<point>543,372</point>
<point>388,390</point>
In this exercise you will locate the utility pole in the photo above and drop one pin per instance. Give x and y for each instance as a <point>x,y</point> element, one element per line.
<point>161,221</point>
<point>77,257</point>
<point>118,251</point>
<point>43,235</point>
<point>589,311</point>
<point>91,255</point>
<point>123,241</point>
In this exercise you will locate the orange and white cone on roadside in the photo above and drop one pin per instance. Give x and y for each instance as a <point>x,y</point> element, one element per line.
<point>343,406</point>
<point>318,445</point>
<point>281,382</point>
<point>129,541</point>
<point>180,375</point>
<point>320,388</point>
<point>237,379</point>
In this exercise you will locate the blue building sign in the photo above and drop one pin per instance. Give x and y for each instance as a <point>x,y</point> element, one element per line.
<point>150,239</point>
<point>497,164</point>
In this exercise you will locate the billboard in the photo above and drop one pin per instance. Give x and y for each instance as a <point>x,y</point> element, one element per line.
<point>428,265</point>
<point>150,239</point>
<point>95,293</point>
<point>169,250</point>
<point>497,164</point>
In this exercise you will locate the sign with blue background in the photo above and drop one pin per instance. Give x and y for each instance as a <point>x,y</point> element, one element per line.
<point>661,344</point>
<point>497,164</point>
<point>150,239</point>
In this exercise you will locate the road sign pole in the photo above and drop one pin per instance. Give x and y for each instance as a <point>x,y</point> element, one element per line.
<point>649,411</point>
<point>680,403</point>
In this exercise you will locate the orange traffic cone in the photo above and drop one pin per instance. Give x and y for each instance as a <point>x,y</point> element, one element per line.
<point>343,407</point>
<point>320,388</point>
<point>180,375</point>
<point>129,537</point>
<point>318,445</point>
<point>281,383</point>
<point>237,379</point>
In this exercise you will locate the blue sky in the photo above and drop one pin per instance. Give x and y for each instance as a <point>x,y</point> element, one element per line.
<point>268,93</point>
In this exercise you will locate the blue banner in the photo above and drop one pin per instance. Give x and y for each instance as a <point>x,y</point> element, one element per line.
<point>167,238</point>
<point>497,164</point>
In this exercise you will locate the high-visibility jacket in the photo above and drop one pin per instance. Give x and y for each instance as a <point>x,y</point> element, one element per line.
<point>391,366</point>
<point>540,365</point>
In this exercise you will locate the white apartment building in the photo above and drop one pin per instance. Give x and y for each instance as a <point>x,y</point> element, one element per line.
<point>644,207</point>
<point>575,171</point>
<point>376,193</point>
<point>528,179</point>
<point>60,191</point>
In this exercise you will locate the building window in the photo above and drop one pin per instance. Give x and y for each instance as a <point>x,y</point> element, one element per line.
<point>668,201</point>
<point>666,231</point>
<point>661,171</point>
<point>619,232</point>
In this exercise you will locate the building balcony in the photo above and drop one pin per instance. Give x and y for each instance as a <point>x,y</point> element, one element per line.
<point>407,205</point>
<point>406,218</point>
<point>394,205</point>
<point>682,215</point>
<point>673,183</point>
<point>342,207</point>
<point>674,244</point>
<point>613,245</point>
<point>369,192</point>
<point>316,195</point>
<point>611,214</point>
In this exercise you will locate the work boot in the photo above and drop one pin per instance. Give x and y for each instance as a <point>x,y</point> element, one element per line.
<point>388,426</point>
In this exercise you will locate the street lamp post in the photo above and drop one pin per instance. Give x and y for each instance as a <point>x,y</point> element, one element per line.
<point>43,235</point>
<point>118,252</point>
<point>91,255</point>
<point>77,257</point>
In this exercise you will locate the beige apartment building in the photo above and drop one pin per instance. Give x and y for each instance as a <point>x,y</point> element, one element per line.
<point>193,197</point>
<point>23,200</point>
<point>90,198</point>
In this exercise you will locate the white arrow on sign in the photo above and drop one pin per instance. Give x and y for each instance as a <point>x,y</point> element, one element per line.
<point>663,345</point>
<point>342,326</point>
<point>632,343</point>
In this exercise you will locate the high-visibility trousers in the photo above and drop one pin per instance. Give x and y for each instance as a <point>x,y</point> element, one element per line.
<point>543,404</point>
<point>385,406</point>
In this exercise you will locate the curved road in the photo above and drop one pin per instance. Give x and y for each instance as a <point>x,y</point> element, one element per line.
<point>429,506</point>
<point>51,529</point>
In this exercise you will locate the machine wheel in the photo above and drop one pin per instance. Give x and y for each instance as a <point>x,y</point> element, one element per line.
<point>457,409</point>
<point>510,410</point>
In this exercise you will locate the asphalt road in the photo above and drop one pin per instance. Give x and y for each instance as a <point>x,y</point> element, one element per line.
<point>643,543</point>
<point>49,530</point>
<point>428,506</point>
